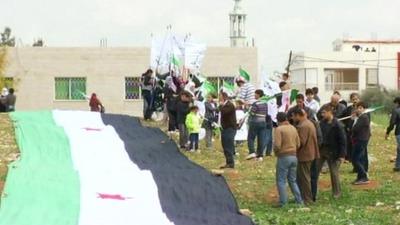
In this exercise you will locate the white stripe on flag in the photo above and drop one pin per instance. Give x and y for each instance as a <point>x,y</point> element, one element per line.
<point>113,189</point>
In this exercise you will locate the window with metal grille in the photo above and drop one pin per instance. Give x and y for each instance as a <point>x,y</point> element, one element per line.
<point>218,82</point>
<point>132,88</point>
<point>70,88</point>
<point>7,82</point>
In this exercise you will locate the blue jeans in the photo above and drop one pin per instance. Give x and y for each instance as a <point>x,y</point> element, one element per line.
<point>268,141</point>
<point>228,144</point>
<point>194,141</point>
<point>359,151</point>
<point>257,130</point>
<point>286,168</point>
<point>397,165</point>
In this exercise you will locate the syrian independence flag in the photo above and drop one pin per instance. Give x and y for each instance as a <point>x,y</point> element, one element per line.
<point>84,168</point>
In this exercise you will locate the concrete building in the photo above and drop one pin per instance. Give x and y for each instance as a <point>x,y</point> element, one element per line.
<point>52,78</point>
<point>352,66</point>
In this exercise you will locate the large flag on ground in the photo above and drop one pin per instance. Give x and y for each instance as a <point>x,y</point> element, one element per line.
<point>83,168</point>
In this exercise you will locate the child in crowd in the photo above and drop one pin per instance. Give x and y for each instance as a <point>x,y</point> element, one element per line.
<point>193,125</point>
<point>210,118</point>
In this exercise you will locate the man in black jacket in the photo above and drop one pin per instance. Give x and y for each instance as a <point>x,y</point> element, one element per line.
<point>333,148</point>
<point>299,105</point>
<point>360,134</point>
<point>348,123</point>
<point>338,108</point>
<point>228,132</point>
<point>395,122</point>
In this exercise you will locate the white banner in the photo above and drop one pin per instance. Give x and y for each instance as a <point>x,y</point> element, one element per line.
<point>194,55</point>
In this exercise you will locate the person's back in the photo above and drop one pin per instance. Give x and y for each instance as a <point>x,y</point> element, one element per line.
<point>309,141</point>
<point>10,102</point>
<point>287,140</point>
<point>182,110</point>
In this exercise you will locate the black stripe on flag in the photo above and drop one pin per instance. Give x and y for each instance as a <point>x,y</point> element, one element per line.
<point>188,193</point>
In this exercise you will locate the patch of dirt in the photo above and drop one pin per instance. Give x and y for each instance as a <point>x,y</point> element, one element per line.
<point>8,147</point>
<point>373,184</point>
<point>272,196</point>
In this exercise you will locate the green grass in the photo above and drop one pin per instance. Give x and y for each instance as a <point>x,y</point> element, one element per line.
<point>253,184</point>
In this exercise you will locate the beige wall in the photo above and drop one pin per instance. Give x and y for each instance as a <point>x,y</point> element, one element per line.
<point>105,70</point>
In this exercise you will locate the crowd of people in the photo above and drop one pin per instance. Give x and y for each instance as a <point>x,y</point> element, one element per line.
<point>7,100</point>
<point>306,137</point>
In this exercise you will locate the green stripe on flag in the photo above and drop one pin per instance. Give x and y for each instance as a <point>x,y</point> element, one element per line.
<point>243,73</point>
<point>42,187</point>
<point>293,95</point>
<point>175,61</point>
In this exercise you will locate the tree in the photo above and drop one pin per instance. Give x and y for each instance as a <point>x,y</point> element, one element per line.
<point>6,39</point>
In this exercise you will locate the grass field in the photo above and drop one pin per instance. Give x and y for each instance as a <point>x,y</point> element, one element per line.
<point>253,184</point>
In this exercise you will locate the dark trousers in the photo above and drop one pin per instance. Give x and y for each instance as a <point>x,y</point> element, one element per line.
<point>314,179</point>
<point>269,141</point>
<point>228,144</point>
<point>257,130</point>
<point>147,104</point>
<point>304,181</point>
<point>172,123</point>
<point>334,165</point>
<point>359,154</point>
<point>194,141</point>
<point>183,135</point>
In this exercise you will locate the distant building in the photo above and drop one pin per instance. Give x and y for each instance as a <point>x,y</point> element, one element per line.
<point>352,66</point>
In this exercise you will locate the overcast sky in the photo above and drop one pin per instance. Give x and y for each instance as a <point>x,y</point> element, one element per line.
<point>277,26</point>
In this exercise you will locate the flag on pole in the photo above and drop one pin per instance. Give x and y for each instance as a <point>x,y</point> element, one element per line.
<point>243,73</point>
<point>293,95</point>
<point>175,61</point>
<point>228,88</point>
<point>370,110</point>
<point>208,88</point>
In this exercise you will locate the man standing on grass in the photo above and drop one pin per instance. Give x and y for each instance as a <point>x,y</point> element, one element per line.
<point>333,149</point>
<point>395,122</point>
<point>360,134</point>
<point>306,154</point>
<point>228,132</point>
<point>257,127</point>
<point>286,143</point>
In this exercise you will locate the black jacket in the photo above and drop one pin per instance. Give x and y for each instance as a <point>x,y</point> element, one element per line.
<point>361,130</point>
<point>182,109</point>
<point>334,138</point>
<point>337,111</point>
<point>228,115</point>
<point>210,115</point>
<point>394,121</point>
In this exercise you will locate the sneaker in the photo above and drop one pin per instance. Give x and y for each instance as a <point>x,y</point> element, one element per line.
<point>396,169</point>
<point>237,154</point>
<point>251,156</point>
<point>191,150</point>
<point>259,159</point>
<point>361,182</point>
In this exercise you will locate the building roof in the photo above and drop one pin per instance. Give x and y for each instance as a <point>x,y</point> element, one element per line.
<point>394,41</point>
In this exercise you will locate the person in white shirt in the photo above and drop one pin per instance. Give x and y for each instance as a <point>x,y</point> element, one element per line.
<point>311,103</point>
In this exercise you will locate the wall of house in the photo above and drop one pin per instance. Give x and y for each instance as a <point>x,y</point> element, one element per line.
<point>105,69</point>
<point>349,60</point>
